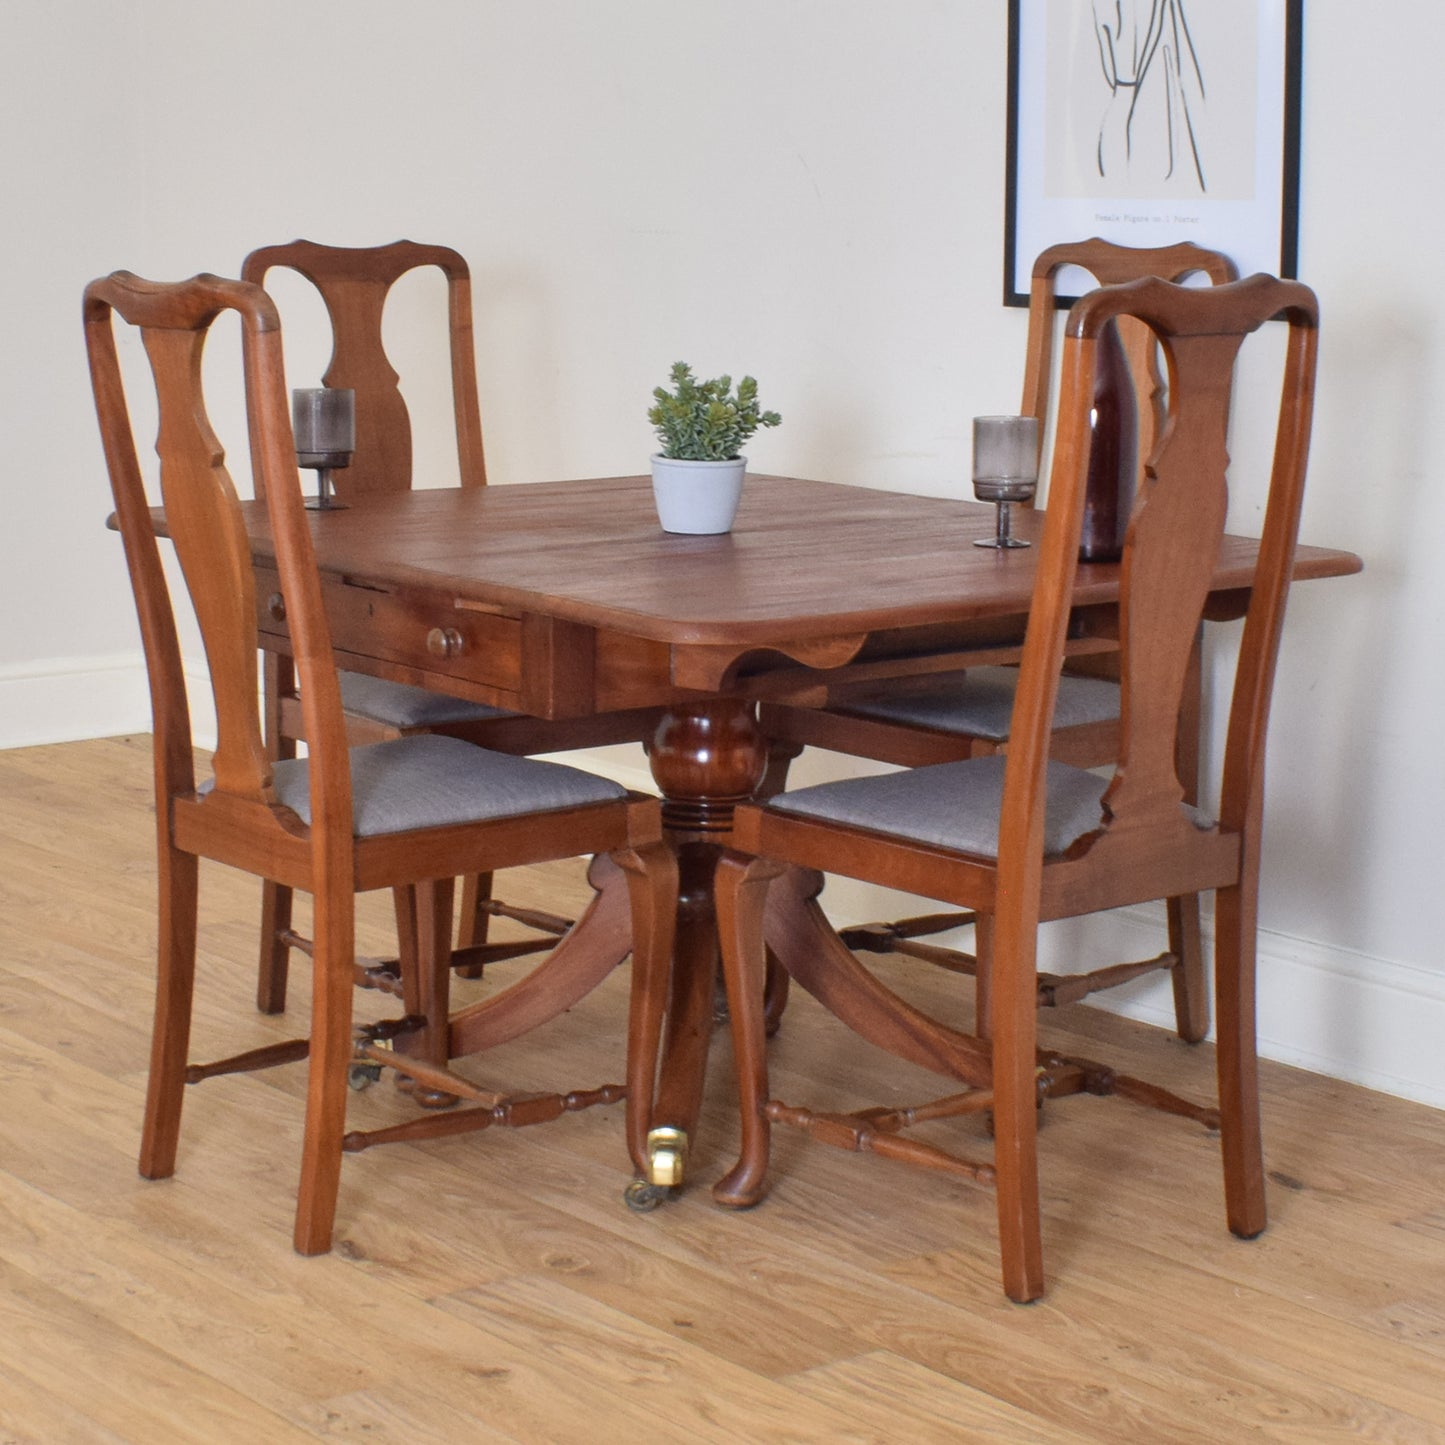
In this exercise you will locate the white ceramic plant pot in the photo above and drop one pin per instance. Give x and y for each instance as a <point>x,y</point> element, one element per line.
<point>697,497</point>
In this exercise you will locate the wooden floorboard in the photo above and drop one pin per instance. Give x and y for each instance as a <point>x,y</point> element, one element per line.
<point>494,1288</point>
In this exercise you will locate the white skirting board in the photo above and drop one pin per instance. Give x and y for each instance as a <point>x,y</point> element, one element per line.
<point>61,700</point>
<point>1371,1021</point>
<point>66,699</point>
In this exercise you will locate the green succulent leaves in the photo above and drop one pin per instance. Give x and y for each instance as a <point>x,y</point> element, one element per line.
<point>702,421</point>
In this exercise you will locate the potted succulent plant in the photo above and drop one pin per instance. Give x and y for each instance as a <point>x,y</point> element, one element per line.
<point>697,477</point>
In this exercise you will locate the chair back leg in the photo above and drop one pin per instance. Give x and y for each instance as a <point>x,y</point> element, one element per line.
<point>272,973</point>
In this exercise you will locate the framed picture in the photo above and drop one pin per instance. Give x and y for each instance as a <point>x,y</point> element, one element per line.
<point>1148,122</point>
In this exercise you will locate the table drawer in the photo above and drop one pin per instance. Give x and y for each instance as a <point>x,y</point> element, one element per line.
<point>422,634</point>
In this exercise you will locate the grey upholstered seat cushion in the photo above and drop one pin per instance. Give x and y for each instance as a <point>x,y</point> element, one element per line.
<point>952,805</point>
<point>431,782</point>
<point>399,705</point>
<point>981,704</point>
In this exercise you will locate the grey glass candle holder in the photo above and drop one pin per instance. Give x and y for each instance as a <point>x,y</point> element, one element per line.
<point>1005,470</point>
<point>323,419</point>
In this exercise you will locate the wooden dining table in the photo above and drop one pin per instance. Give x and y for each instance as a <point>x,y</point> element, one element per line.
<point>567,600</point>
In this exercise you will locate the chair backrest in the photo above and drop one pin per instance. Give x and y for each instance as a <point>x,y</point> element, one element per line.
<point>1110,265</point>
<point>1172,544</point>
<point>204,521</point>
<point>354,283</point>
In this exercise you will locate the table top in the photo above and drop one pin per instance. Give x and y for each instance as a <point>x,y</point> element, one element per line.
<point>805,559</point>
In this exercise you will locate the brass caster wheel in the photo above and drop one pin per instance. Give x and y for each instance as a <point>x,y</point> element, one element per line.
<point>666,1156</point>
<point>363,1076</point>
<point>642,1198</point>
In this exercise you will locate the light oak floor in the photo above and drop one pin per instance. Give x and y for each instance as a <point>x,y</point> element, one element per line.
<point>493,1287</point>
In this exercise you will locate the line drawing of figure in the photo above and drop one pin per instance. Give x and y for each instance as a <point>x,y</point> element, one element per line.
<point>1156,91</point>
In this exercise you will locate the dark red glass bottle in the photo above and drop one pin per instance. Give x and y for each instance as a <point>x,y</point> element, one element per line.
<point>1113,452</point>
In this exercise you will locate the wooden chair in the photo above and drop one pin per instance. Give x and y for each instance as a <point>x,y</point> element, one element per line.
<point>1021,838</point>
<point>966,715</point>
<point>405,814</point>
<point>354,283</point>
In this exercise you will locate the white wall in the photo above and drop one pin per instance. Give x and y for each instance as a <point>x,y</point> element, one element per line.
<point>810,190</point>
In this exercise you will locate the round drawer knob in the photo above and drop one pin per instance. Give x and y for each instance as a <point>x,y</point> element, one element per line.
<point>276,607</point>
<point>445,642</point>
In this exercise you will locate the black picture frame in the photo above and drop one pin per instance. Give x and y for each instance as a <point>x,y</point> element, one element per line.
<point>1081,161</point>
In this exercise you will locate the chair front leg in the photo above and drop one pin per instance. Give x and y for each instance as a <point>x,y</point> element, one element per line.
<point>274,964</point>
<point>475,921</point>
<point>983,975</point>
<point>403,902</point>
<point>329,1064</point>
<point>171,1030</point>
<point>1186,943</point>
<point>423,930</point>
<point>434,966</point>
<point>741,897</point>
<point>1236,1056</point>
<point>1013,1012</point>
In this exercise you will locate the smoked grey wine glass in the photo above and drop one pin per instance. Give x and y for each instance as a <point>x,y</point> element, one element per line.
<point>1005,470</point>
<point>323,419</point>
